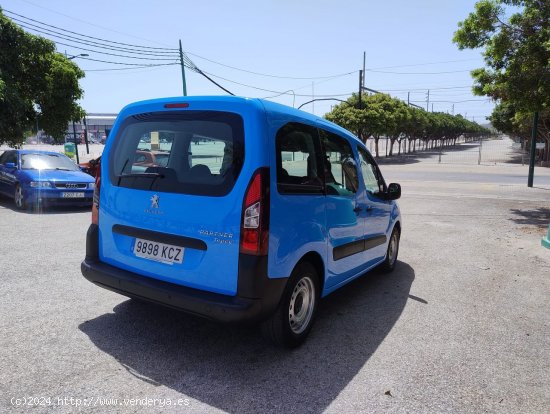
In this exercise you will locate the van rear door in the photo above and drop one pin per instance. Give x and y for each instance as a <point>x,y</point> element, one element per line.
<point>167,206</point>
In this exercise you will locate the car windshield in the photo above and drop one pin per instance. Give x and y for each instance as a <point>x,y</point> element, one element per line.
<point>47,162</point>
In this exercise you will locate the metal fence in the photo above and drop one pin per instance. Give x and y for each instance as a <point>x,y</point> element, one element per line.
<point>485,151</point>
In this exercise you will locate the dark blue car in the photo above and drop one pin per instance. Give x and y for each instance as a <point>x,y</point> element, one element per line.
<point>42,177</point>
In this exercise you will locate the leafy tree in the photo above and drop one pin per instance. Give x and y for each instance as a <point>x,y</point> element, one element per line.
<point>381,115</point>
<point>349,116</point>
<point>36,84</point>
<point>517,57</point>
<point>373,119</point>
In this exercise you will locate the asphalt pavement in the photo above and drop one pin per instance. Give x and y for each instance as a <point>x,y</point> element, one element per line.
<point>460,326</point>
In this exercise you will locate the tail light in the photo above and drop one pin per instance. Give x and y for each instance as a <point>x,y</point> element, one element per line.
<point>255,217</point>
<point>95,200</point>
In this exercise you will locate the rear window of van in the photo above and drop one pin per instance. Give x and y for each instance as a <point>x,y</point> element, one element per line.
<point>188,152</point>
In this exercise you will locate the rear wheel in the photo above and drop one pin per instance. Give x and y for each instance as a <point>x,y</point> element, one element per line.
<point>290,324</point>
<point>19,198</point>
<point>391,254</point>
<point>293,319</point>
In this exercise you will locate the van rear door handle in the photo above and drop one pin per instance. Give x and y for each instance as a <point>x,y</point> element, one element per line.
<point>368,208</point>
<point>357,209</point>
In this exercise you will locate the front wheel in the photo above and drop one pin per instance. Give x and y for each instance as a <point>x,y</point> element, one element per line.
<point>391,254</point>
<point>293,319</point>
<point>19,198</point>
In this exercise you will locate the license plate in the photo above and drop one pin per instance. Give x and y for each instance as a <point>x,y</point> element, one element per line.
<point>72,195</point>
<point>160,252</point>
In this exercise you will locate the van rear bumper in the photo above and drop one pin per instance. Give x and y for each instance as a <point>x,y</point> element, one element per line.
<point>256,299</point>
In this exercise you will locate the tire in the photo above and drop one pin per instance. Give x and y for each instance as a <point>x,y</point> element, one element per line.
<point>391,254</point>
<point>291,323</point>
<point>19,198</point>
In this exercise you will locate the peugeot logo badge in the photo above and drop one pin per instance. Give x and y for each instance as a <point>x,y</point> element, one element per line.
<point>155,201</point>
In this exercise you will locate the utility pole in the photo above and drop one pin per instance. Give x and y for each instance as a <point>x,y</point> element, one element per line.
<point>432,107</point>
<point>532,152</point>
<point>183,71</point>
<point>364,69</point>
<point>313,97</point>
<point>408,98</point>
<point>75,143</point>
<point>360,87</point>
<point>86,135</point>
<point>428,101</point>
<point>453,109</point>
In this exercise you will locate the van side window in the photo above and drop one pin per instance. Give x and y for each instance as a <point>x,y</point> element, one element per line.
<point>340,167</point>
<point>371,175</point>
<point>298,160</point>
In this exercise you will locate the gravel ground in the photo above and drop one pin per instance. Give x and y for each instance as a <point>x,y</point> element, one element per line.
<point>461,325</point>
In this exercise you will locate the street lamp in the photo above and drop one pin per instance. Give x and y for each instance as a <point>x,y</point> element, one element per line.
<point>322,99</point>
<point>75,56</point>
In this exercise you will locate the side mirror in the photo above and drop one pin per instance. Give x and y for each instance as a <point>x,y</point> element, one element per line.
<point>394,191</point>
<point>10,165</point>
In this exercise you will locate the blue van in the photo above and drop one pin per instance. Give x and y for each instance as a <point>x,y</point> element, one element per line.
<point>247,211</point>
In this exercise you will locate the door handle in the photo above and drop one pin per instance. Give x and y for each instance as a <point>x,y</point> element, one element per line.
<point>357,209</point>
<point>368,208</point>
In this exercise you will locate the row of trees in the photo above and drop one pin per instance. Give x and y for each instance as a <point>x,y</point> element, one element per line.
<point>380,115</point>
<point>515,35</point>
<point>37,85</point>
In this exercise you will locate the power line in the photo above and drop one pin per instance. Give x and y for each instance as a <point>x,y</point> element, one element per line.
<point>420,73</point>
<point>91,24</point>
<point>269,90</point>
<point>90,43</point>
<point>166,52</point>
<point>114,54</point>
<point>424,64</point>
<point>91,37</point>
<point>131,68</point>
<point>455,102</point>
<point>128,64</point>
<point>270,75</point>
<point>425,89</point>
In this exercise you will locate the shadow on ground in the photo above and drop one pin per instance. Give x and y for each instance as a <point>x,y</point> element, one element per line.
<point>235,369</point>
<point>539,217</point>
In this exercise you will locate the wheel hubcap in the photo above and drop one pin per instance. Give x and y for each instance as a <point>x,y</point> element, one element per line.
<point>302,303</point>
<point>392,249</point>
<point>18,197</point>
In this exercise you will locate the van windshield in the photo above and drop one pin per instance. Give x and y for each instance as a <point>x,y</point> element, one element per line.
<point>188,152</point>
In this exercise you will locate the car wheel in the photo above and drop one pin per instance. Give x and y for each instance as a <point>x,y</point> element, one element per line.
<point>391,254</point>
<point>292,321</point>
<point>19,198</point>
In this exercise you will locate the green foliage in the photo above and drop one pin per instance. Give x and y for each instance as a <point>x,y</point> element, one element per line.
<point>517,57</point>
<point>382,115</point>
<point>36,83</point>
<point>517,51</point>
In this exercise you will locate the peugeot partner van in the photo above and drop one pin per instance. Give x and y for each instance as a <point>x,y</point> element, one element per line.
<point>256,211</point>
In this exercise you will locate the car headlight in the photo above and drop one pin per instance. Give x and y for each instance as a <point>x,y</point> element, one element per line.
<point>91,186</point>
<point>40,184</point>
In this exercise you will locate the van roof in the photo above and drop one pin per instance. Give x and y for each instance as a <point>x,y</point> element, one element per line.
<point>270,108</point>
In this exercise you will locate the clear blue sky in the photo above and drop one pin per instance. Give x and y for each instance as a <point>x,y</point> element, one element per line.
<point>407,43</point>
